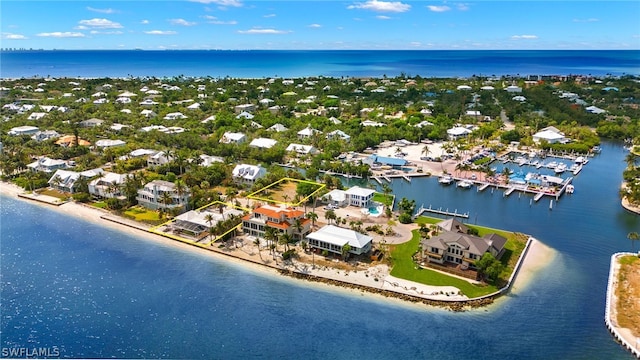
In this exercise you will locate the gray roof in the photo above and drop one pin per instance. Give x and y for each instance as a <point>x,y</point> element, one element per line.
<point>473,244</point>
<point>453,225</point>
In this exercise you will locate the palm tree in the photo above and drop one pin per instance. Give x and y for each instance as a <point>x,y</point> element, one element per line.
<point>426,151</point>
<point>270,236</point>
<point>297,224</point>
<point>209,219</point>
<point>256,242</point>
<point>181,189</point>
<point>285,197</point>
<point>166,199</point>
<point>633,236</point>
<point>345,251</point>
<point>285,239</point>
<point>313,217</point>
<point>330,215</point>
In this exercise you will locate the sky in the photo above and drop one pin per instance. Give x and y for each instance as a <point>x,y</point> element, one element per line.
<point>315,24</point>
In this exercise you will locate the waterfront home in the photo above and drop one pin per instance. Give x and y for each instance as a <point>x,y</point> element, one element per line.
<point>550,135</point>
<point>338,134</point>
<point>66,180</point>
<point>459,248</point>
<point>45,135</point>
<point>23,130</point>
<point>233,138</point>
<point>247,174</point>
<point>196,223</point>
<point>90,123</point>
<point>47,165</point>
<point>282,219</point>
<point>108,185</point>
<point>458,132</point>
<point>108,143</point>
<point>302,149</point>
<point>333,239</point>
<point>160,194</point>
<point>308,132</point>
<point>354,196</point>
<point>263,143</point>
<point>159,158</point>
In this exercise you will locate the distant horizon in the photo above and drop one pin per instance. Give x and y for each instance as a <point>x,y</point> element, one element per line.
<point>344,50</point>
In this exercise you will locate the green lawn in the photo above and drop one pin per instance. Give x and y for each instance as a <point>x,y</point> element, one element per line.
<point>143,215</point>
<point>404,267</point>
<point>99,204</point>
<point>383,199</point>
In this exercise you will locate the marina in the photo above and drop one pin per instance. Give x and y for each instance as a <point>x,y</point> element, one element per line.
<point>439,211</point>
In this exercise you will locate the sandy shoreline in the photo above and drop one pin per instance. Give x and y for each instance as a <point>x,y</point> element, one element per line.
<point>375,280</point>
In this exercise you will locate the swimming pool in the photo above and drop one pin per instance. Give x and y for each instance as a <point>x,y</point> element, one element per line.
<point>374,211</point>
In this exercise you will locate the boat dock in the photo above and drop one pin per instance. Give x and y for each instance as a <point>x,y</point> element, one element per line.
<point>406,178</point>
<point>439,211</point>
<point>483,186</point>
<point>509,191</point>
<point>538,197</point>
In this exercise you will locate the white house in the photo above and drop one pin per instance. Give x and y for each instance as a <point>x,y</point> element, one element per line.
<point>308,132</point>
<point>333,239</point>
<point>338,134</point>
<point>198,222</point>
<point>336,197</point>
<point>278,128</point>
<point>247,174</point>
<point>550,135</point>
<point>458,132</point>
<point>372,123</point>
<point>148,113</point>
<point>65,180</point>
<point>109,185</point>
<point>108,143</point>
<point>174,116</point>
<point>264,143</point>
<point>245,115</point>
<point>47,165</point>
<point>152,196</point>
<point>302,149</point>
<point>45,135</point>
<point>36,116</point>
<point>233,138</point>
<point>513,89</point>
<point>208,160</point>
<point>159,158</point>
<point>244,108</point>
<point>360,197</point>
<point>23,130</point>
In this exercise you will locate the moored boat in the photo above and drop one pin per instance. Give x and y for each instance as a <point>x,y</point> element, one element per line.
<point>446,180</point>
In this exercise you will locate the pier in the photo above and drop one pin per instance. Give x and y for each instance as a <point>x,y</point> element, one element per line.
<point>483,186</point>
<point>406,178</point>
<point>538,197</point>
<point>509,191</point>
<point>439,211</point>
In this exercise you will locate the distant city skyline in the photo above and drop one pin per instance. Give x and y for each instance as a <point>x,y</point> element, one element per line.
<point>311,25</point>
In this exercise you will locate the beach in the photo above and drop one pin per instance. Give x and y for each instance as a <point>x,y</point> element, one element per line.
<point>375,279</point>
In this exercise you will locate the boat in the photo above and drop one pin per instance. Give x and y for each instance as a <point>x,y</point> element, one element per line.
<point>521,161</point>
<point>446,180</point>
<point>596,149</point>
<point>570,189</point>
<point>552,165</point>
<point>465,184</point>
<point>562,167</point>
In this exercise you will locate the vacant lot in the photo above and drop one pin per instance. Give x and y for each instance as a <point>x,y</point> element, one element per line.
<point>628,293</point>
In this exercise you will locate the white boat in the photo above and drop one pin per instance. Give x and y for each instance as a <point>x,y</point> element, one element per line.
<point>552,165</point>
<point>521,161</point>
<point>446,180</point>
<point>570,189</point>
<point>465,184</point>
<point>562,167</point>
<point>596,149</point>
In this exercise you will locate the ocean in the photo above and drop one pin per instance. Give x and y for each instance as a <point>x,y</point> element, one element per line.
<point>91,291</point>
<point>331,63</point>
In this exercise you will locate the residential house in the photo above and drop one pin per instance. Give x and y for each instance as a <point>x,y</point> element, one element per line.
<point>109,185</point>
<point>372,123</point>
<point>233,138</point>
<point>175,116</point>
<point>333,239</point>
<point>208,160</point>
<point>278,128</point>
<point>302,149</point>
<point>36,116</point>
<point>23,130</point>
<point>354,196</point>
<point>45,135</point>
<point>245,115</point>
<point>66,180</point>
<point>47,165</point>
<point>513,89</point>
<point>108,143</point>
<point>148,113</point>
<point>159,158</point>
<point>458,132</point>
<point>282,219</point>
<point>160,194</point>
<point>244,108</point>
<point>93,122</point>
<point>196,223</point>
<point>549,134</point>
<point>308,132</point>
<point>458,247</point>
<point>247,174</point>
<point>263,143</point>
<point>338,134</point>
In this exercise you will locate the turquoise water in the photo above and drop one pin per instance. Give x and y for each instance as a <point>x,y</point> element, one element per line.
<point>95,292</point>
<point>373,210</point>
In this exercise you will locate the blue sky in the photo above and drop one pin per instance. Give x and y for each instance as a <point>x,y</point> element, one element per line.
<point>309,24</point>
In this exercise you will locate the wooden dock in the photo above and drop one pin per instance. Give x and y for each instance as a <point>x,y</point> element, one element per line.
<point>406,178</point>
<point>483,186</point>
<point>538,196</point>
<point>439,211</point>
<point>378,180</point>
<point>509,191</point>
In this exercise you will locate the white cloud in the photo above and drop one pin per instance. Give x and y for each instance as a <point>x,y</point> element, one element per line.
<point>263,31</point>
<point>383,17</point>
<point>214,20</point>
<point>232,3</point>
<point>59,34</point>
<point>100,23</point>
<point>526,37</point>
<point>462,7</point>
<point>269,16</point>
<point>102,11</point>
<point>10,36</point>
<point>181,22</point>
<point>95,32</point>
<point>160,32</point>
<point>436,8</point>
<point>315,26</point>
<point>381,6</point>
<point>144,22</point>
